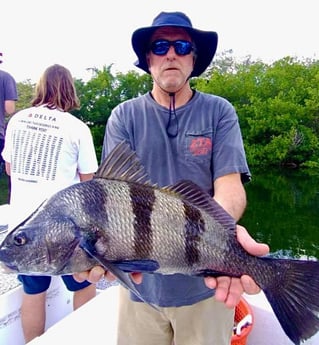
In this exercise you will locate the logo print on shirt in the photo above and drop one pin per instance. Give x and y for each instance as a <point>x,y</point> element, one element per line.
<point>200,146</point>
<point>42,117</point>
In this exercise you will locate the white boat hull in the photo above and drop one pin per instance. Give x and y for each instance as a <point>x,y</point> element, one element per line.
<point>59,304</point>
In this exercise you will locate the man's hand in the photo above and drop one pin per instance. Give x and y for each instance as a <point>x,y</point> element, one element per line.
<point>229,290</point>
<point>98,272</point>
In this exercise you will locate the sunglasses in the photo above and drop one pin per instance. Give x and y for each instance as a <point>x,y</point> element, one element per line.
<point>181,47</point>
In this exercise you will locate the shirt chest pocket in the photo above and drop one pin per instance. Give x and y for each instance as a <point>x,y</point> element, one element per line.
<point>199,145</point>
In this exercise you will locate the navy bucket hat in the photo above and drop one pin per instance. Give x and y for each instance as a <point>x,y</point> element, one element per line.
<point>205,41</point>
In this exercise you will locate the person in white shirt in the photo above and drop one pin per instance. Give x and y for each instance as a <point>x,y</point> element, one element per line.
<point>47,149</point>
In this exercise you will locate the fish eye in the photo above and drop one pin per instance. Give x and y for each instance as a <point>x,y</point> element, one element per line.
<point>20,239</point>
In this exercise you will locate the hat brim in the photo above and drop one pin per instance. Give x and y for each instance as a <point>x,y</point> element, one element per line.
<point>205,41</point>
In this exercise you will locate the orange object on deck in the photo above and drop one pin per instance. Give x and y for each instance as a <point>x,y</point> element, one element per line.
<point>243,312</point>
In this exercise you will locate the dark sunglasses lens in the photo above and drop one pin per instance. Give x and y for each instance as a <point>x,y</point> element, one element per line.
<point>160,47</point>
<point>182,47</point>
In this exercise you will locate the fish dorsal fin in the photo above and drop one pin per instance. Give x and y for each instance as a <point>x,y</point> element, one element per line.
<point>123,164</point>
<point>192,193</point>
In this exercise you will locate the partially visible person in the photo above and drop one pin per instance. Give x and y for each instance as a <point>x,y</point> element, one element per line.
<point>178,134</point>
<point>8,98</point>
<point>47,149</point>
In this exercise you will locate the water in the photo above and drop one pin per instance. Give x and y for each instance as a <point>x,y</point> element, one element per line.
<point>283,211</point>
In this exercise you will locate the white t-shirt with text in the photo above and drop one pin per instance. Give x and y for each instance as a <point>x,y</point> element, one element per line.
<point>47,149</point>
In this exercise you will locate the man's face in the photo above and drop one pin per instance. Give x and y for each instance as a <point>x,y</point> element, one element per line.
<point>170,71</point>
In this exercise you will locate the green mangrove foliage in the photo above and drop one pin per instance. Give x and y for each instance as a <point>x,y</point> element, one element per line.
<point>277,104</point>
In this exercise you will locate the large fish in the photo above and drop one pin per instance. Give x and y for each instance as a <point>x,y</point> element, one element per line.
<point>123,222</point>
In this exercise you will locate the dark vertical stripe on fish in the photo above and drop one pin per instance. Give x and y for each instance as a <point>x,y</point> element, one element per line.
<point>95,201</point>
<point>194,227</point>
<point>142,200</point>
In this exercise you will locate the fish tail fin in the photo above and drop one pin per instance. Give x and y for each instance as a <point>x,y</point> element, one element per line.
<point>294,297</point>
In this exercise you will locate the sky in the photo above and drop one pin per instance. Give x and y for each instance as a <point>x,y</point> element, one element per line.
<point>85,34</point>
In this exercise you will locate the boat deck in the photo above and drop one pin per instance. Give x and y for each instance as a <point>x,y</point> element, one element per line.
<point>96,322</point>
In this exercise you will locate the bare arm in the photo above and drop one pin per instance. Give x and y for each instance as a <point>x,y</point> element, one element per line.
<point>9,107</point>
<point>86,177</point>
<point>229,192</point>
<point>8,168</point>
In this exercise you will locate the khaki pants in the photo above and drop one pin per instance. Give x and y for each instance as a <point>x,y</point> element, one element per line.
<point>205,323</point>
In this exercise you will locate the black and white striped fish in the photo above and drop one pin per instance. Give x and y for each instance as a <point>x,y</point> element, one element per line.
<point>125,223</point>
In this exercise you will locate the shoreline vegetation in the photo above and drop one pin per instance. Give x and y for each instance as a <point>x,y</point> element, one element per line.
<point>277,104</point>
<point>3,188</point>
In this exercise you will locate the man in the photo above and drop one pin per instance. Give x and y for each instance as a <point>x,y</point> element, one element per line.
<point>8,98</point>
<point>179,133</point>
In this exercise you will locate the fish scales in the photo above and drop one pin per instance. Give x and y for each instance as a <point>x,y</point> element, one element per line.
<point>125,223</point>
<point>142,202</point>
<point>201,234</point>
<point>194,227</point>
<point>120,226</point>
<point>178,227</point>
<point>168,224</point>
<point>150,220</point>
<point>214,236</point>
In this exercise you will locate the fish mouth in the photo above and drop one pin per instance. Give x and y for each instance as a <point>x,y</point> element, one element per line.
<point>7,269</point>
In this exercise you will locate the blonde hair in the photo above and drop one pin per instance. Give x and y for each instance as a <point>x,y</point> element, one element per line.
<point>56,89</point>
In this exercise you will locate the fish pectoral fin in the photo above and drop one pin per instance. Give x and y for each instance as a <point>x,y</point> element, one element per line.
<point>123,277</point>
<point>137,265</point>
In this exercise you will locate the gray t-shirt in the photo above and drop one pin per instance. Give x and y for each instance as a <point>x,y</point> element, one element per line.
<point>208,145</point>
<point>8,91</point>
